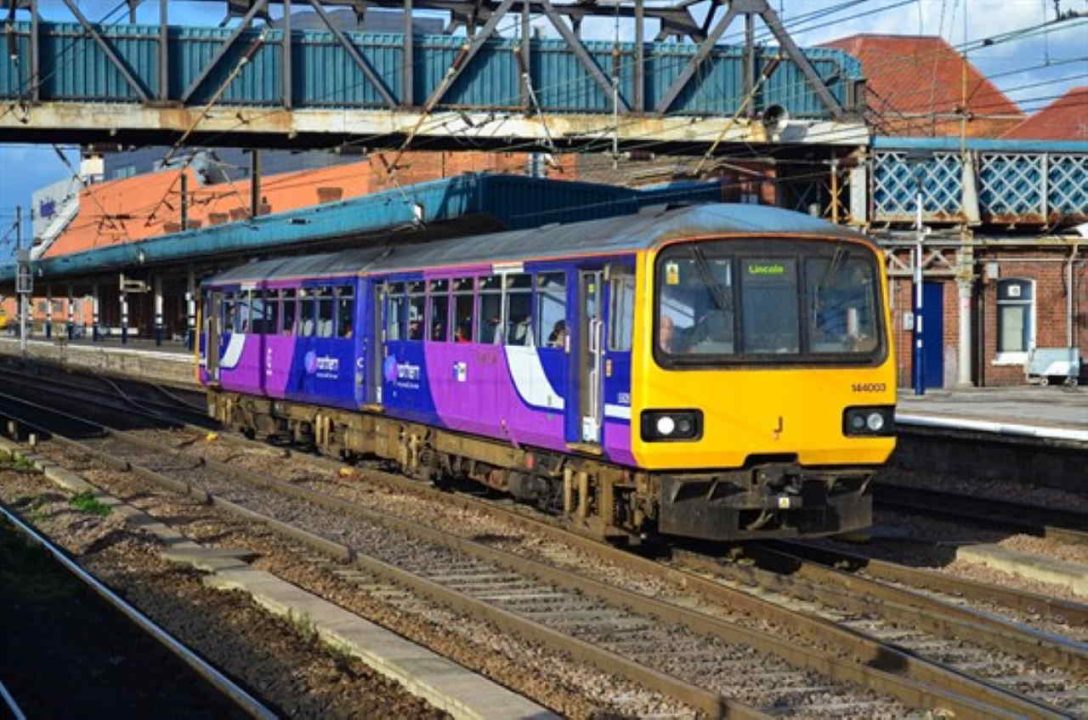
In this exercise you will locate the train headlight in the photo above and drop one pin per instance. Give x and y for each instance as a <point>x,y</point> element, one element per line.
<point>663,425</point>
<point>869,421</point>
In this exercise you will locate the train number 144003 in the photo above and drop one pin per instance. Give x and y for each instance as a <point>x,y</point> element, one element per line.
<point>869,387</point>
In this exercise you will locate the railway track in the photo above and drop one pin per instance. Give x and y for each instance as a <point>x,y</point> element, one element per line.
<point>234,695</point>
<point>154,400</point>
<point>509,589</point>
<point>1065,526</point>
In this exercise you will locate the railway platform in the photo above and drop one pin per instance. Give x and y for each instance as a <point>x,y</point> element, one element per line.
<point>1032,434</point>
<point>171,363</point>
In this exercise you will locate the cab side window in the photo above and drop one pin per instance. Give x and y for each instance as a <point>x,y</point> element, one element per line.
<point>621,314</point>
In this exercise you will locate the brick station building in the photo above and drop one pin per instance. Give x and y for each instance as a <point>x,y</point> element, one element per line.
<point>997,285</point>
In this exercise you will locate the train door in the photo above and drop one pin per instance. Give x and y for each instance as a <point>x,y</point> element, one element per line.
<point>376,343</point>
<point>213,333</point>
<point>590,361</point>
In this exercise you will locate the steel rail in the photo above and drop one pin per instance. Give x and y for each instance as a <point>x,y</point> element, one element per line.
<point>246,702</point>
<point>798,578</point>
<point>818,629</point>
<point>1062,611</point>
<point>876,668</point>
<point>1060,525</point>
<point>144,405</point>
<point>711,703</point>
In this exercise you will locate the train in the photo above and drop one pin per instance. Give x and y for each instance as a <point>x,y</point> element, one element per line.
<point>713,372</point>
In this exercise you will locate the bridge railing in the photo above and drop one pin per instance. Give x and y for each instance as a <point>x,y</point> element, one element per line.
<point>991,182</point>
<point>193,66</point>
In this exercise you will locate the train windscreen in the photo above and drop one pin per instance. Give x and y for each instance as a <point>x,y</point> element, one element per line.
<point>771,301</point>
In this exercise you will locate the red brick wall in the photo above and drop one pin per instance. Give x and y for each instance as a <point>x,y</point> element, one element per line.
<point>1048,271</point>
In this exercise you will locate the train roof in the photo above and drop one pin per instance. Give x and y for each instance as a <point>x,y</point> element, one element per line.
<point>644,230</point>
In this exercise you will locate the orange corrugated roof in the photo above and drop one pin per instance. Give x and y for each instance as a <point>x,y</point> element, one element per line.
<point>1064,119</point>
<point>149,205</point>
<point>916,84</point>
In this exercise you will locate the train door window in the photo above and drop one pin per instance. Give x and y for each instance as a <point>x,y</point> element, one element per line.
<point>394,311</point>
<point>271,312</point>
<point>769,300</point>
<point>288,319</point>
<point>551,310</point>
<point>438,311</point>
<point>416,303</point>
<point>1015,318</point>
<point>257,311</point>
<point>241,312</point>
<point>462,309</point>
<point>307,312</point>
<point>326,310</point>
<point>345,306</point>
<point>490,309</point>
<point>228,312</point>
<point>621,314</point>
<point>518,311</point>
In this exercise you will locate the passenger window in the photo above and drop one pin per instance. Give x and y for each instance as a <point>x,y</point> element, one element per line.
<point>394,311</point>
<point>325,312</point>
<point>290,305</point>
<point>308,313</point>
<point>551,310</point>
<point>345,305</point>
<point>490,309</point>
<point>621,313</point>
<point>228,312</point>
<point>439,310</point>
<point>462,310</point>
<point>416,301</point>
<point>519,309</point>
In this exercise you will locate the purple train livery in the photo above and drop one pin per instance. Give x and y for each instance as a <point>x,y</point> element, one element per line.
<point>683,371</point>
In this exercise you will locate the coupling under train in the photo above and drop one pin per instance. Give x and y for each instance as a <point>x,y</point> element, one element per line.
<point>719,372</point>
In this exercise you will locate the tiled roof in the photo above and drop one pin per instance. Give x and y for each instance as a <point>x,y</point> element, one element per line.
<point>1064,119</point>
<point>149,205</point>
<point>916,87</point>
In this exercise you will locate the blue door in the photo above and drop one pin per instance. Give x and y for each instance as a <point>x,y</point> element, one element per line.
<point>933,333</point>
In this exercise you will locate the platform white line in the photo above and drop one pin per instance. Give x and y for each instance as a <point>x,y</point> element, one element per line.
<point>997,428</point>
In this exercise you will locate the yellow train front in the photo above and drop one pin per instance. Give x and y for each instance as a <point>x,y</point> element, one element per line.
<point>764,383</point>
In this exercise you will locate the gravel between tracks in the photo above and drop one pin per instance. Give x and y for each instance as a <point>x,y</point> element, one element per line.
<point>569,687</point>
<point>993,489</point>
<point>288,669</point>
<point>318,474</point>
<point>724,667</point>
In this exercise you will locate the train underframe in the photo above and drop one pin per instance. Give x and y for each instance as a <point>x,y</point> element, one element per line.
<point>771,498</point>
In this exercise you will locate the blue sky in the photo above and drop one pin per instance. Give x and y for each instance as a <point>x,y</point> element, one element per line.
<point>1031,71</point>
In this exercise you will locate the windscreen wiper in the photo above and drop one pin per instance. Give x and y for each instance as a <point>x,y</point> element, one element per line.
<point>707,276</point>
